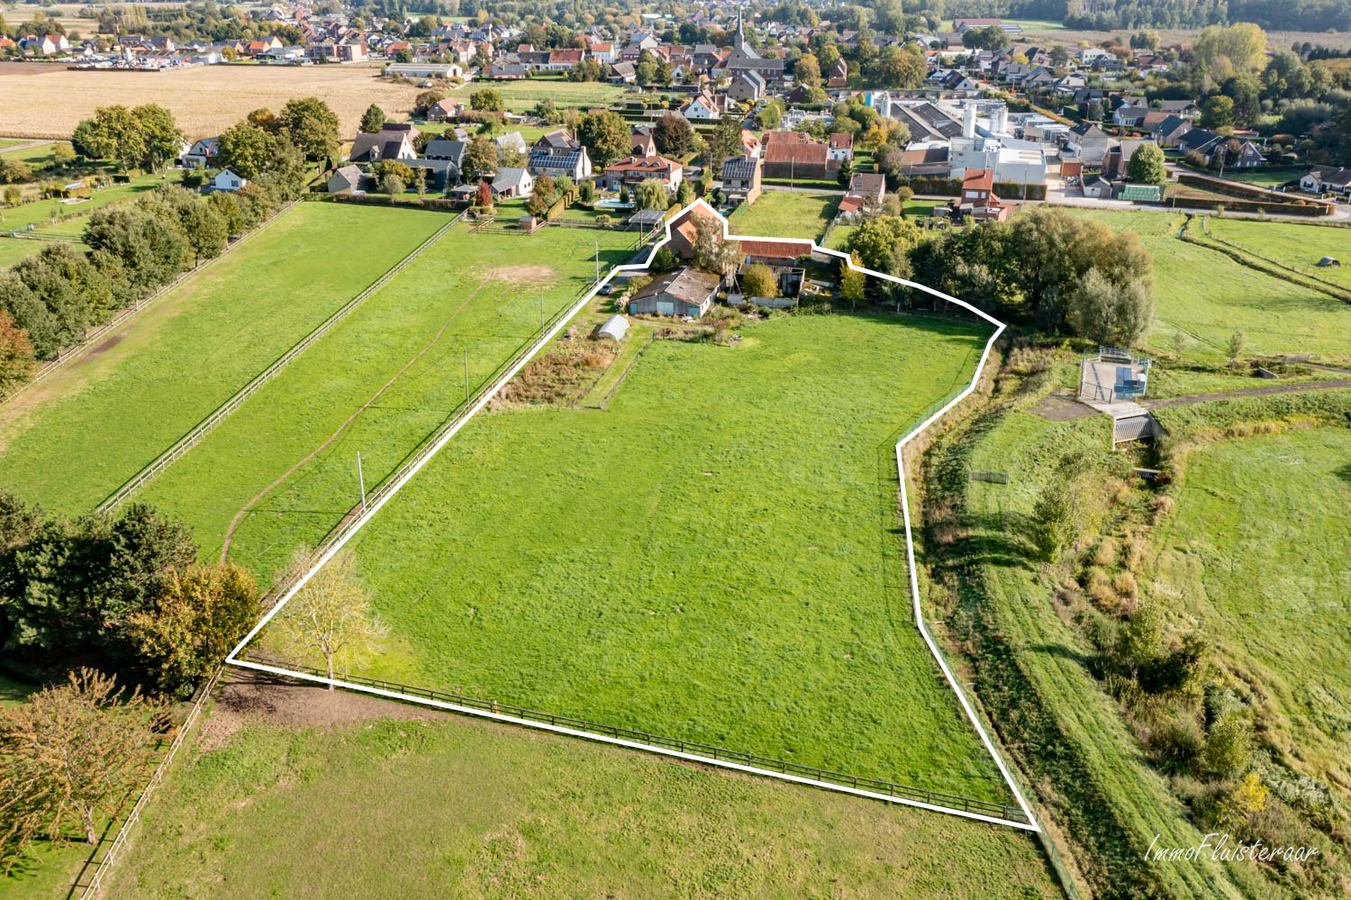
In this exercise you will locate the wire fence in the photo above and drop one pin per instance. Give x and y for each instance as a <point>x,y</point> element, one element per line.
<point>186,442</point>
<point>690,748</point>
<point>71,354</point>
<point>487,386</point>
<point>95,880</point>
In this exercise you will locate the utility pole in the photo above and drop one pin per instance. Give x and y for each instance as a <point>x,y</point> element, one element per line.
<point>361,480</point>
<point>541,311</point>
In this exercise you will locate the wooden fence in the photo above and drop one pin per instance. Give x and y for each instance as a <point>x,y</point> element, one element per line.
<point>95,880</point>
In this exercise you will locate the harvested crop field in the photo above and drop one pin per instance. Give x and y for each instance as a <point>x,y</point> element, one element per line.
<point>205,100</point>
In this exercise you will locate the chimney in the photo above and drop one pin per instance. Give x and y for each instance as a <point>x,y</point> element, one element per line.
<point>969,121</point>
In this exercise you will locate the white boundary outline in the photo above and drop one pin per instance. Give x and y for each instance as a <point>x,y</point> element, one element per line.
<point>1030,825</point>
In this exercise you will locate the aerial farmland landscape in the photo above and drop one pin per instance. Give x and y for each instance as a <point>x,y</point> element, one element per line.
<point>644,450</point>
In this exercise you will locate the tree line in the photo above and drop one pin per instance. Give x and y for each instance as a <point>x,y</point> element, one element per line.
<point>48,301</point>
<point>1046,268</point>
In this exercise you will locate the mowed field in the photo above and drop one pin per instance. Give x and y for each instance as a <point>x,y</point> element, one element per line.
<point>714,557</point>
<point>281,470</point>
<point>786,214</point>
<point>1210,296</point>
<point>442,807</point>
<point>205,100</point>
<point>1298,247</point>
<point>76,437</point>
<point>1259,550</point>
<point>521,96</point>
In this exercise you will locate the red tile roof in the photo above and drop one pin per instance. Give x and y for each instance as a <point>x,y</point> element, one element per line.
<point>776,249</point>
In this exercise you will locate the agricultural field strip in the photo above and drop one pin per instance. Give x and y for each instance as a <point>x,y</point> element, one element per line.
<point>204,427</point>
<point>486,395</point>
<point>91,337</point>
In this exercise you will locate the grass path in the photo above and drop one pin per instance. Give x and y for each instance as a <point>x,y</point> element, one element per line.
<point>70,441</point>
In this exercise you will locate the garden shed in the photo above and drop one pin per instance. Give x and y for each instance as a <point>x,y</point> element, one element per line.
<point>685,292</point>
<point>614,329</point>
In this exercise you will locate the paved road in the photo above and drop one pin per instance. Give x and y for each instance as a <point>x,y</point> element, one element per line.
<point>27,146</point>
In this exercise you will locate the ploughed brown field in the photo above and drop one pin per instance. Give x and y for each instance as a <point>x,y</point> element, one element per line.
<point>48,100</point>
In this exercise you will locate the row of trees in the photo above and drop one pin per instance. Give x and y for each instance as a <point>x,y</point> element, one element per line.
<point>48,301</point>
<point>1060,272</point>
<point>145,136</point>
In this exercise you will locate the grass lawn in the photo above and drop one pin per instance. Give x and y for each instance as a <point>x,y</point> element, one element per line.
<point>1267,176</point>
<point>72,440</point>
<point>1257,551</point>
<point>38,155</point>
<point>474,294</point>
<point>714,557</point>
<point>1210,296</point>
<point>521,96</point>
<point>486,812</point>
<point>12,250</point>
<point>1295,246</point>
<point>786,214</point>
<point>44,212</point>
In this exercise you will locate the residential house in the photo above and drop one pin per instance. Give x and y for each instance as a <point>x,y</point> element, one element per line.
<point>840,146</point>
<point>445,110</point>
<point>393,142</point>
<point>1327,180</point>
<point>684,292</point>
<point>511,142</point>
<point>559,153</point>
<point>741,178</point>
<point>702,107</point>
<point>1187,109</point>
<point>632,170</point>
<point>865,194</point>
<point>603,52</point>
<point>512,182</point>
<point>838,76</point>
<point>228,180</point>
<point>1170,130</point>
<point>641,142</point>
<point>977,201</point>
<point>746,87</point>
<point>441,173</point>
<point>451,152</point>
<point>562,60</point>
<point>201,154</point>
<point>1116,160</point>
<point>623,73</point>
<point>499,71</point>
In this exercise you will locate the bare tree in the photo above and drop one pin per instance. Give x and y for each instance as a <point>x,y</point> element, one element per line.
<point>331,613</point>
<point>72,751</point>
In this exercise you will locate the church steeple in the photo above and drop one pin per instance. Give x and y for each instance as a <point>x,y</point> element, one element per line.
<point>740,35</point>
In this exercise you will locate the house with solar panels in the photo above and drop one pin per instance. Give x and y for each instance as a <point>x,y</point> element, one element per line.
<point>559,153</point>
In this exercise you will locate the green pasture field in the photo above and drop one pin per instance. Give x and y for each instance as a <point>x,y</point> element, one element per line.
<point>714,557</point>
<point>72,440</point>
<point>486,812</point>
<point>42,213</point>
<point>13,250</point>
<point>11,142</point>
<point>786,214</point>
<point>469,293</point>
<point>1257,550</point>
<point>1067,731</point>
<point>523,95</point>
<point>36,156</point>
<point>1210,296</point>
<point>1297,247</point>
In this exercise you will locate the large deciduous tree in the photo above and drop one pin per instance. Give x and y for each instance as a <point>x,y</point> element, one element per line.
<point>1146,165</point>
<point>673,135</point>
<point>605,137</point>
<point>311,126</point>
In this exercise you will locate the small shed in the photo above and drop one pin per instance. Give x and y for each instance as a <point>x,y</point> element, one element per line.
<point>614,329</point>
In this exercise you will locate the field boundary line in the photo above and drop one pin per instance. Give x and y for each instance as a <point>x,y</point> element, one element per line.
<point>90,337</point>
<point>96,879</point>
<point>204,427</point>
<point>486,394</point>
